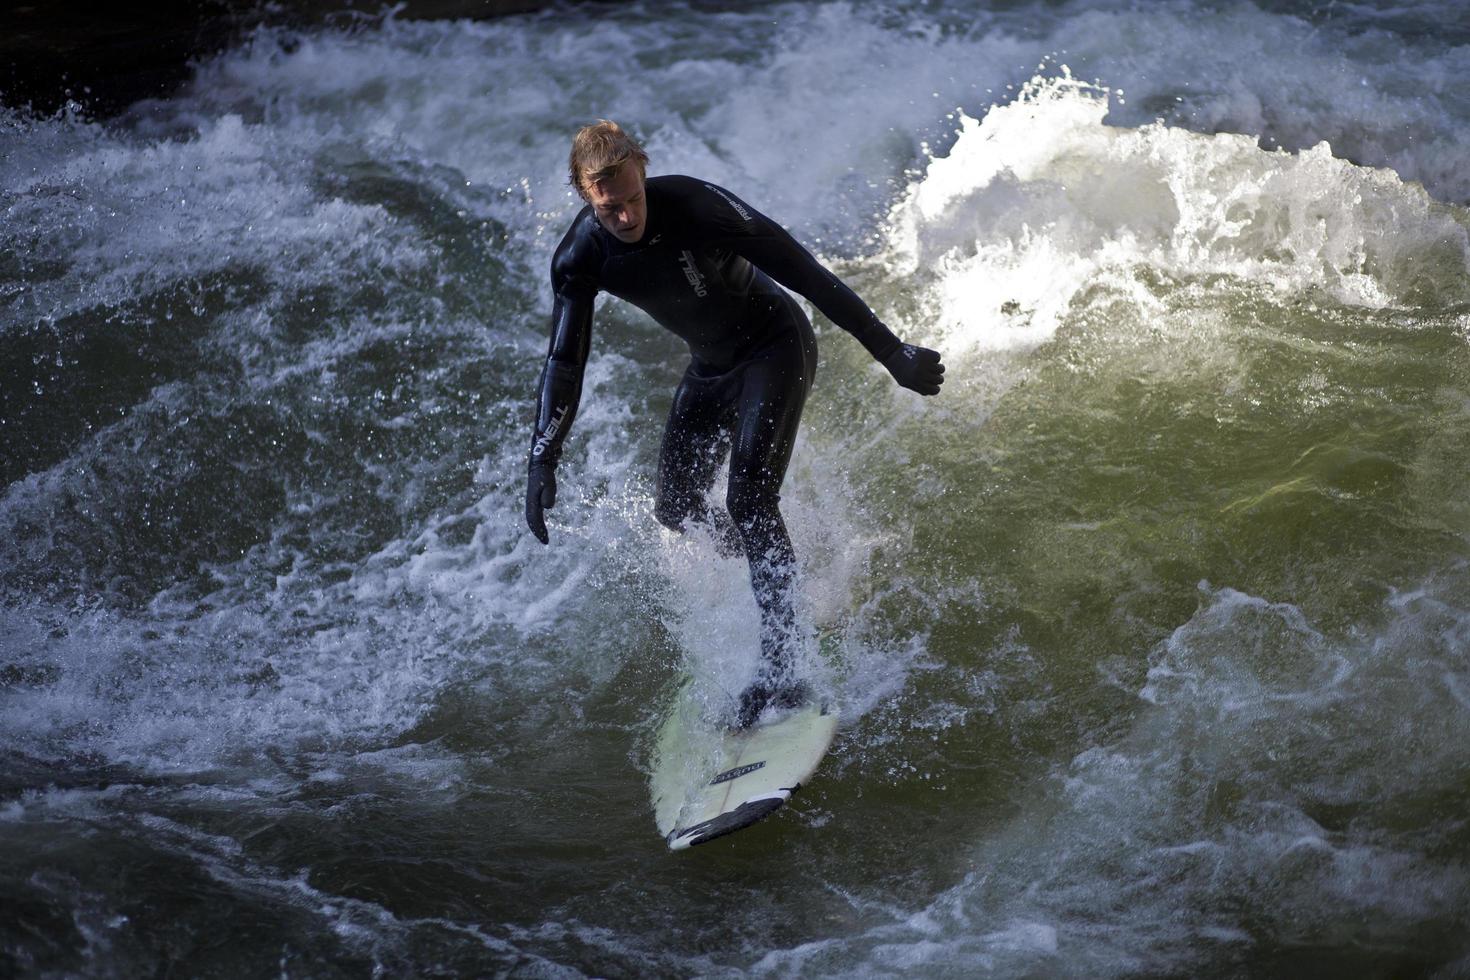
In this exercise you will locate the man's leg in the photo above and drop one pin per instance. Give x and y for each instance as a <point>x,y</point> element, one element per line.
<point>696,438</point>
<point>772,395</point>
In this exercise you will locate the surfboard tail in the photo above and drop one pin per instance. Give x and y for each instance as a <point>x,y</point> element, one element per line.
<point>747,813</point>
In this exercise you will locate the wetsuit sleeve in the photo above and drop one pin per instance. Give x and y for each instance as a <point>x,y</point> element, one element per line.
<point>560,388</point>
<point>775,252</point>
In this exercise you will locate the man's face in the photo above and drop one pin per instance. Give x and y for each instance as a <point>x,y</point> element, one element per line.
<point>620,204</point>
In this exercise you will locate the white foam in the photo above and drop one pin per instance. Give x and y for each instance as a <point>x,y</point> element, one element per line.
<point>1040,200</point>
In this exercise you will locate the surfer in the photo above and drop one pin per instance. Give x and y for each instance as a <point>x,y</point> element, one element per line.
<point>705,265</point>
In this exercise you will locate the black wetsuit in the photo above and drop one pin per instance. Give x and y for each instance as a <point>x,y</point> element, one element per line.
<point>704,269</point>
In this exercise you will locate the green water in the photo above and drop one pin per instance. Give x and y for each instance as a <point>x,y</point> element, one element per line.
<point>1148,636</point>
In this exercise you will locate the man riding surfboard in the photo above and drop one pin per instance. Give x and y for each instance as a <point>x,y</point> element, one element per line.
<point>705,265</point>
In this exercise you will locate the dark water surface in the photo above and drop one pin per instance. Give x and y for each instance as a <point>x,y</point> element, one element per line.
<point>1150,636</point>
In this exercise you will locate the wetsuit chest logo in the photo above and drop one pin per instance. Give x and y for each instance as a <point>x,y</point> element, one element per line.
<point>692,273</point>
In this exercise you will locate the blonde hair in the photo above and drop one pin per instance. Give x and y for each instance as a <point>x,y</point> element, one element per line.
<point>600,152</point>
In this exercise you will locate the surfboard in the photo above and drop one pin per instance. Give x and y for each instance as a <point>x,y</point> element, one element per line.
<point>709,780</point>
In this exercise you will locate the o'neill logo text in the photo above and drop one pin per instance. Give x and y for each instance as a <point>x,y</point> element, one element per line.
<point>544,440</point>
<point>692,273</point>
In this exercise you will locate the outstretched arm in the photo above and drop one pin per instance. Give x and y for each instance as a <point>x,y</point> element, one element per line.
<point>559,392</point>
<point>776,253</point>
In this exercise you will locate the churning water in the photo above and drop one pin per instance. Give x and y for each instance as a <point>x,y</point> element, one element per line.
<point>1151,633</point>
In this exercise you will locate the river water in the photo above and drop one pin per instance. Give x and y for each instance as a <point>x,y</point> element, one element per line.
<point>1150,636</point>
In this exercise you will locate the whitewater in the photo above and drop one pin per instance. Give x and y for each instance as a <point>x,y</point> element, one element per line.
<point>1149,636</point>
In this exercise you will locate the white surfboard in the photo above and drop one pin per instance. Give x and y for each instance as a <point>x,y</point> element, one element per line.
<point>709,781</point>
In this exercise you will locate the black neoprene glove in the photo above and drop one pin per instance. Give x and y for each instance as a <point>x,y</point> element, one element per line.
<point>916,368</point>
<point>540,495</point>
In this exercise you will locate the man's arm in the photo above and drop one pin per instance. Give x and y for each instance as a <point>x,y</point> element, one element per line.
<point>775,252</point>
<point>560,389</point>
